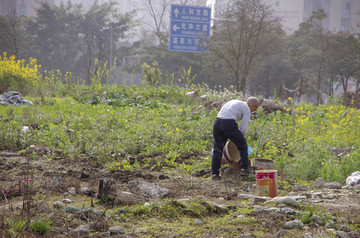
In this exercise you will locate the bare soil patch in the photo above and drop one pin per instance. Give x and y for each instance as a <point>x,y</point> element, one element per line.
<point>51,178</point>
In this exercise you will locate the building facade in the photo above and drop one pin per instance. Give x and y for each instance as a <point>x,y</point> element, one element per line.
<point>20,7</point>
<point>342,15</point>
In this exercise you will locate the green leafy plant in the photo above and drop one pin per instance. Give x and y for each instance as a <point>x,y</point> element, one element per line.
<point>306,217</point>
<point>41,226</point>
<point>16,225</point>
<point>152,75</point>
<point>186,78</point>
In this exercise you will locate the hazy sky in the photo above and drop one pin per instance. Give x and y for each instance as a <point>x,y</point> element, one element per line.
<point>210,2</point>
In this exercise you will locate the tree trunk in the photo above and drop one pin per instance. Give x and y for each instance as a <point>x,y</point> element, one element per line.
<point>107,188</point>
<point>318,97</point>
<point>237,78</point>
<point>243,84</point>
<point>89,62</point>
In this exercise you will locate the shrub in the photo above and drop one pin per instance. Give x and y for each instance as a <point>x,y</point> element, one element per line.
<point>15,75</point>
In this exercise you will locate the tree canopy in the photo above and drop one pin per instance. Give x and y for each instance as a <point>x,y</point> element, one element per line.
<point>241,35</point>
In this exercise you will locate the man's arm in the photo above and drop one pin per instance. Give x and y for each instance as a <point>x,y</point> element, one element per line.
<point>244,122</point>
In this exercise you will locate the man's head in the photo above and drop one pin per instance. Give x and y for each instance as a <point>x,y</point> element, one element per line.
<point>253,103</point>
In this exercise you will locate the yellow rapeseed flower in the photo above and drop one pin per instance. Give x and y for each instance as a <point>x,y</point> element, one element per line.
<point>181,110</point>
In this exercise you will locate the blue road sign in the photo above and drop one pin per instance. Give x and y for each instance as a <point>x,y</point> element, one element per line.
<point>189,28</point>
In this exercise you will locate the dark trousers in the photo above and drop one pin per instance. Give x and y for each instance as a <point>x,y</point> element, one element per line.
<point>223,130</point>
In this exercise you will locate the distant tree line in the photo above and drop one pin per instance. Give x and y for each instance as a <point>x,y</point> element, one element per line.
<point>248,47</point>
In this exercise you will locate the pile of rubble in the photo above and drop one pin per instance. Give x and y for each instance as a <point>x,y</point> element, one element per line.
<point>13,98</point>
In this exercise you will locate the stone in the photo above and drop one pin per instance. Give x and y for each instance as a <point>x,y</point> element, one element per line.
<point>341,234</point>
<point>58,204</point>
<point>244,196</point>
<point>330,224</point>
<point>72,191</point>
<point>198,222</point>
<point>272,209</point>
<point>127,198</point>
<point>83,230</point>
<point>84,190</point>
<point>313,225</point>
<point>319,183</point>
<point>246,236</point>
<point>301,188</point>
<point>147,189</point>
<point>106,234</point>
<point>353,234</point>
<point>308,235</point>
<point>300,198</point>
<point>259,208</point>
<point>203,97</point>
<point>141,230</point>
<point>290,211</point>
<point>115,230</point>
<point>223,208</point>
<point>294,224</point>
<point>71,209</point>
<point>333,185</point>
<point>66,201</point>
<point>290,201</point>
<point>328,196</point>
<point>280,234</point>
<point>256,200</point>
<point>316,219</point>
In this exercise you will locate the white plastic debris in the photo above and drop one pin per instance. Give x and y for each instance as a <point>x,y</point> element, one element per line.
<point>353,179</point>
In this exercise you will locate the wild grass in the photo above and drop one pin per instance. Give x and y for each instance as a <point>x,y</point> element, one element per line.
<point>128,127</point>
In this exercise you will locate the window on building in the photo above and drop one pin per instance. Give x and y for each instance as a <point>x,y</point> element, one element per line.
<point>346,8</point>
<point>277,3</point>
<point>11,6</point>
<point>316,5</point>
<point>345,24</point>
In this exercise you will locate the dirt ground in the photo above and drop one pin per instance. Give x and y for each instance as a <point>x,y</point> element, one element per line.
<point>21,179</point>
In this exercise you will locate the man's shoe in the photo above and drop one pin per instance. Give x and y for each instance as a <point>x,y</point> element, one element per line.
<point>245,172</point>
<point>215,177</point>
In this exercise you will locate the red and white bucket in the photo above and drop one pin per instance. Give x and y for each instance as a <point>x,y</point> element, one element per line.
<point>266,183</point>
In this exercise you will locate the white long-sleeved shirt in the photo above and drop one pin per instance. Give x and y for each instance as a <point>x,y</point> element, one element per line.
<point>236,110</point>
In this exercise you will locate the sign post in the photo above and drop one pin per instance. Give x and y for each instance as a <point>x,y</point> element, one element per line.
<point>189,28</point>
